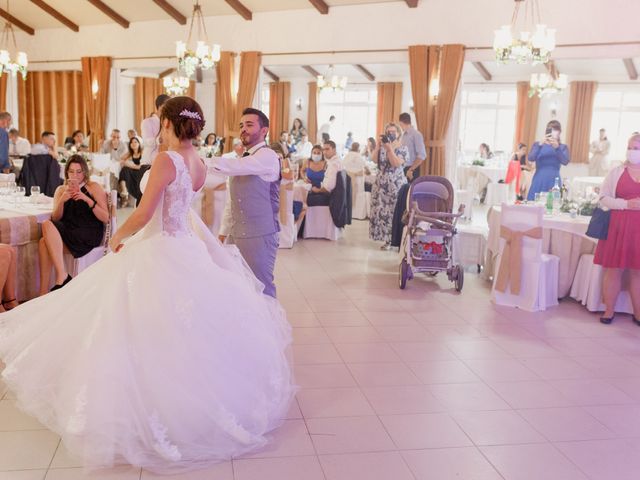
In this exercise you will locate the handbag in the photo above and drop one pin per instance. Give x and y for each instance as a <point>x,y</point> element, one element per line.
<point>599,224</point>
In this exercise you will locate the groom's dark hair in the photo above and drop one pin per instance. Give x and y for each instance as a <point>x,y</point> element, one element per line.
<point>262,118</point>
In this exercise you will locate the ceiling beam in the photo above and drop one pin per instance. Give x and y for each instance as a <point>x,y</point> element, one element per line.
<point>21,25</point>
<point>552,69</point>
<point>412,3</point>
<point>273,76</point>
<point>240,8</point>
<point>482,70</point>
<point>321,6</point>
<point>365,72</point>
<point>109,12</point>
<point>631,68</point>
<point>56,14</point>
<point>171,11</point>
<point>312,71</point>
<point>166,72</point>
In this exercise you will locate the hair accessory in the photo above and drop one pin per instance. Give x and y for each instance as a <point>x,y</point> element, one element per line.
<point>190,114</point>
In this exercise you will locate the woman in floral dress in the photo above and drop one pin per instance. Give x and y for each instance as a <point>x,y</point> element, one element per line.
<point>390,157</point>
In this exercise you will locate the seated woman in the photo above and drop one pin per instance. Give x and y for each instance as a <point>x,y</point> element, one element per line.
<point>314,168</point>
<point>620,193</point>
<point>77,223</point>
<point>8,271</point>
<point>131,172</point>
<point>287,174</point>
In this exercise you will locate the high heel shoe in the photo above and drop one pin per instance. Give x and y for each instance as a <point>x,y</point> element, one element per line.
<point>58,286</point>
<point>607,320</point>
<point>6,304</point>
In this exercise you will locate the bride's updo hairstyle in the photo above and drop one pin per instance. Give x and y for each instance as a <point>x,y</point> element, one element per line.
<point>185,115</point>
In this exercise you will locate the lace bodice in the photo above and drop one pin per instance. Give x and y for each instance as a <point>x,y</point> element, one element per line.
<point>172,216</point>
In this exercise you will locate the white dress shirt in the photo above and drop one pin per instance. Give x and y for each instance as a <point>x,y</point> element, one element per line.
<point>261,161</point>
<point>149,128</point>
<point>116,153</point>
<point>20,148</point>
<point>334,165</point>
<point>304,151</point>
<point>231,154</point>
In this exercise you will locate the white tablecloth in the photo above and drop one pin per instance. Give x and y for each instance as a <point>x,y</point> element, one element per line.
<point>563,236</point>
<point>579,185</point>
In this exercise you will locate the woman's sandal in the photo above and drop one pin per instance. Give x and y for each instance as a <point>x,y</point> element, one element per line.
<point>607,320</point>
<point>6,304</point>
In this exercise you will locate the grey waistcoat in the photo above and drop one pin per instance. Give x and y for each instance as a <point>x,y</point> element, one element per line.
<point>255,205</point>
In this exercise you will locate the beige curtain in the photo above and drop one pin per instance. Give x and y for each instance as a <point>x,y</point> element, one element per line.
<point>146,91</point>
<point>581,98</point>
<point>312,114</point>
<point>51,101</point>
<point>3,92</point>
<point>96,72</point>
<point>225,72</point>
<point>279,97</point>
<point>526,116</point>
<point>389,103</point>
<point>451,61</point>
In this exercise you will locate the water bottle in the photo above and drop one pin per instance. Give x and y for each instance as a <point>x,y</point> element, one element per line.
<point>550,202</point>
<point>557,197</point>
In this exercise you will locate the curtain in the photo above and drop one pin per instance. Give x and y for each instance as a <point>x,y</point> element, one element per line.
<point>451,61</point>
<point>312,114</point>
<point>581,98</point>
<point>96,72</point>
<point>3,92</point>
<point>51,101</point>
<point>279,97</point>
<point>225,105</point>
<point>423,65</point>
<point>389,104</point>
<point>526,116</point>
<point>146,91</point>
<point>218,128</point>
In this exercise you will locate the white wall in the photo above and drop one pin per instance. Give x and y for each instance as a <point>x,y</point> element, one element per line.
<point>206,97</point>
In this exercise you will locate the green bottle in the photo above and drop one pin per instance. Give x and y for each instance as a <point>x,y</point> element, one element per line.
<point>550,202</point>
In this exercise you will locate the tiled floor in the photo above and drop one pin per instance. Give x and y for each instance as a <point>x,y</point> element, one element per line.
<point>421,384</point>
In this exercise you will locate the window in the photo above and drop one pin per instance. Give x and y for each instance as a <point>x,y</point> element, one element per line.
<point>487,115</point>
<point>355,110</point>
<point>617,110</point>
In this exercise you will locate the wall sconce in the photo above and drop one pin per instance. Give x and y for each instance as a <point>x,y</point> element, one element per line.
<point>95,88</point>
<point>553,108</point>
<point>299,103</point>
<point>411,106</point>
<point>434,89</point>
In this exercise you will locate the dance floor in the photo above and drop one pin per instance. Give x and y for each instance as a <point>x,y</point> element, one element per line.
<point>417,384</point>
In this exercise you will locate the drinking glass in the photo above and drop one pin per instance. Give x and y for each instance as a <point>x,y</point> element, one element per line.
<point>19,195</point>
<point>35,194</point>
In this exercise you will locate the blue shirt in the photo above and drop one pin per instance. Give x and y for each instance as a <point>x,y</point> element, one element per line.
<point>414,141</point>
<point>4,150</point>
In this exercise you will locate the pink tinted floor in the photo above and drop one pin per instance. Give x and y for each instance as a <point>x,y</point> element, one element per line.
<point>417,384</point>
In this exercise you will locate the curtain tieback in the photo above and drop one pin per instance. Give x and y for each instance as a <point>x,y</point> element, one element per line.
<point>284,215</point>
<point>511,263</point>
<point>436,143</point>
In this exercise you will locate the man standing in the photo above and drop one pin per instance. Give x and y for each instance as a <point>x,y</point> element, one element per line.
<point>251,216</point>
<point>150,127</point>
<point>5,123</point>
<point>325,132</point>
<point>114,146</point>
<point>414,141</point>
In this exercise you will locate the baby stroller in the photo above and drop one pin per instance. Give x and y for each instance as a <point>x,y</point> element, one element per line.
<point>427,242</point>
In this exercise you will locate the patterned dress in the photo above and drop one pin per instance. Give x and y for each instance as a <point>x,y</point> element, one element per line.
<point>384,195</point>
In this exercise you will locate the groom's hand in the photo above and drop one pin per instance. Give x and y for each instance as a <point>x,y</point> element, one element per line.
<point>222,238</point>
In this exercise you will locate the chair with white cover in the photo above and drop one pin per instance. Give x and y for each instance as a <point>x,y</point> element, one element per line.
<point>526,278</point>
<point>76,265</point>
<point>360,198</point>
<point>498,193</point>
<point>101,165</point>
<point>319,224</point>
<point>464,197</point>
<point>587,287</point>
<point>288,228</point>
<point>209,203</point>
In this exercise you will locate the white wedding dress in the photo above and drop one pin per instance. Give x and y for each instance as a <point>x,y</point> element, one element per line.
<point>166,355</point>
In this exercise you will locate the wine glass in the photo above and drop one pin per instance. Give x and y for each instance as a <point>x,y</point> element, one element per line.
<point>35,194</point>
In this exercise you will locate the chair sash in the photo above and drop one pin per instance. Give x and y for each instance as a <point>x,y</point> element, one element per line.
<point>208,203</point>
<point>354,189</point>
<point>511,264</point>
<point>284,214</point>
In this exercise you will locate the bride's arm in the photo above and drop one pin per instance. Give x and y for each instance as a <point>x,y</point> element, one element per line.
<point>161,174</point>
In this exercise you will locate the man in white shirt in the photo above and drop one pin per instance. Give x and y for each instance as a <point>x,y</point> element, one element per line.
<point>18,146</point>
<point>320,196</point>
<point>304,149</point>
<point>114,146</point>
<point>325,133</point>
<point>47,145</point>
<point>251,215</point>
<point>237,149</point>
<point>150,127</point>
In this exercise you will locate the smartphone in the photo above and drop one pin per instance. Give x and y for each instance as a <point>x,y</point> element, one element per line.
<point>548,131</point>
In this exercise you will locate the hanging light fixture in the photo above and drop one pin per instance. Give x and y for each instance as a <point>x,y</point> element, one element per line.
<point>175,86</point>
<point>525,46</point>
<point>330,81</point>
<point>202,56</point>
<point>544,84</point>
<point>8,65</point>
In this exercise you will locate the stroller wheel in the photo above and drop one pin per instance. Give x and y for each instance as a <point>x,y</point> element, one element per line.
<point>459,277</point>
<point>403,274</point>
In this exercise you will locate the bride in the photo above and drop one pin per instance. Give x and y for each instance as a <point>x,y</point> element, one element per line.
<point>164,355</point>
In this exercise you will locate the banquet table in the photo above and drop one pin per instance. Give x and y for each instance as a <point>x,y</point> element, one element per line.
<point>563,236</point>
<point>483,174</point>
<point>579,185</point>
<point>20,228</point>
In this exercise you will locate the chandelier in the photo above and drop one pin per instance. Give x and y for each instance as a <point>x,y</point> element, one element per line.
<point>175,85</point>
<point>544,84</point>
<point>6,64</point>
<point>330,81</point>
<point>202,56</point>
<point>525,47</point>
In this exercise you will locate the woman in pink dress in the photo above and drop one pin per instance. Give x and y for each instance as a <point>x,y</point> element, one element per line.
<point>620,193</point>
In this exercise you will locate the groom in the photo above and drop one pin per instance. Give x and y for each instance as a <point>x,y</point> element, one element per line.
<point>251,216</point>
